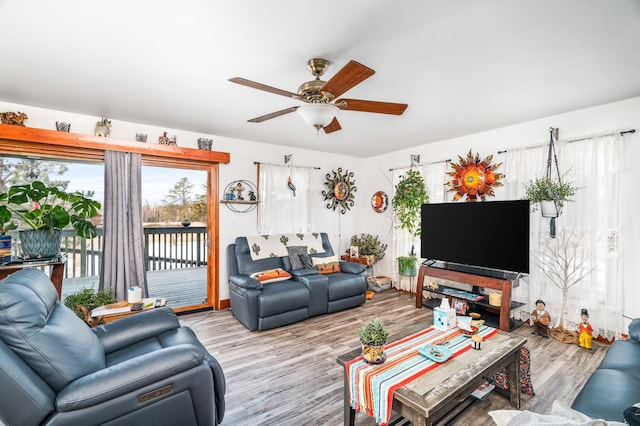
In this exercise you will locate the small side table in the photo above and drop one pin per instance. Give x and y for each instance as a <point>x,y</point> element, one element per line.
<point>122,309</point>
<point>55,264</point>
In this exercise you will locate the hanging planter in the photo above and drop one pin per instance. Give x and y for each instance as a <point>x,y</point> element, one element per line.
<point>547,193</point>
<point>550,209</point>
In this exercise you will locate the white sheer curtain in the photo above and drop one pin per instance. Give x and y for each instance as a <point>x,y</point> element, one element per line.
<point>434,178</point>
<point>279,209</point>
<point>595,164</point>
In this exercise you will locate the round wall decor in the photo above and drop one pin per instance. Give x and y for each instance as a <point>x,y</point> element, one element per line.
<point>341,188</point>
<point>474,178</point>
<point>380,201</point>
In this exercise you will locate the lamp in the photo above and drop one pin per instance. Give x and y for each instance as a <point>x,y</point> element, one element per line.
<point>318,115</point>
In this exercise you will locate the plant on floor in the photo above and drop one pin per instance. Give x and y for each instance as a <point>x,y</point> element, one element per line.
<point>369,245</point>
<point>87,299</point>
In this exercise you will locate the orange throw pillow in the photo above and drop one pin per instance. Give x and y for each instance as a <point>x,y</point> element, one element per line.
<point>271,275</point>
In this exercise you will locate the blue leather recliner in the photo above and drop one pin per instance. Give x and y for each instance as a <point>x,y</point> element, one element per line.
<point>142,369</point>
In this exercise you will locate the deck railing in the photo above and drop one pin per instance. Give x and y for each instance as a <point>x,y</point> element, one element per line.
<point>166,247</point>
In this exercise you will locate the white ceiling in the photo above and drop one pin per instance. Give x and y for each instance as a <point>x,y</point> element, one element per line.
<point>463,66</point>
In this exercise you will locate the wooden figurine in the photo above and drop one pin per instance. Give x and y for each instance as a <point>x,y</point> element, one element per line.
<point>12,118</point>
<point>586,331</point>
<point>541,319</point>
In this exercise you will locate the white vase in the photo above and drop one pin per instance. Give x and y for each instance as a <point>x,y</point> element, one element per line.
<point>549,209</point>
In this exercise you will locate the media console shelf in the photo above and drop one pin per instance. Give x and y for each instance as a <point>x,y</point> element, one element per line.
<point>504,285</point>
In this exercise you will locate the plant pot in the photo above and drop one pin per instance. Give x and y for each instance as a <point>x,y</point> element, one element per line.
<point>5,248</point>
<point>40,244</point>
<point>373,354</point>
<point>407,270</point>
<point>548,209</point>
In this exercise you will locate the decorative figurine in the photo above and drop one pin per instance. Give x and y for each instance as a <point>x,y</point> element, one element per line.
<point>173,141</point>
<point>586,331</point>
<point>541,319</point>
<point>15,119</point>
<point>141,137</point>
<point>103,128</point>
<point>252,196</point>
<point>163,140</point>
<point>239,190</point>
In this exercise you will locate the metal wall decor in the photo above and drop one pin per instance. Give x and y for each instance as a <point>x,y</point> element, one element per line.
<point>474,178</point>
<point>240,196</point>
<point>340,190</point>
<point>380,202</point>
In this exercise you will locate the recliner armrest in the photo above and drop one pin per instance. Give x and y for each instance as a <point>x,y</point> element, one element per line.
<point>245,281</point>
<point>297,273</point>
<point>128,376</point>
<point>352,267</point>
<point>135,328</point>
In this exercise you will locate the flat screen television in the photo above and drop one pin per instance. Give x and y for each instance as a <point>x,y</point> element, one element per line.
<point>489,234</point>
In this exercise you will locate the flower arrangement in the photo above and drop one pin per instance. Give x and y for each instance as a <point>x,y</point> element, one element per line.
<point>41,207</point>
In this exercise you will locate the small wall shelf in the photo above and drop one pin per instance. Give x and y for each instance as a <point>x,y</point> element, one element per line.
<point>246,203</point>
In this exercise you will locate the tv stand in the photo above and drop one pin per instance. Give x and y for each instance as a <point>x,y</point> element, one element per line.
<point>496,283</point>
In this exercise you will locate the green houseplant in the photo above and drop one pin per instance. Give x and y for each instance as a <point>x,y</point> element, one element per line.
<point>47,210</point>
<point>373,336</point>
<point>85,300</point>
<point>407,265</point>
<point>549,194</point>
<point>369,245</point>
<point>409,196</point>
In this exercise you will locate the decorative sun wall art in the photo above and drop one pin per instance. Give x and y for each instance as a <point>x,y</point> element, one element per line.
<point>340,192</point>
<point>474,178</point>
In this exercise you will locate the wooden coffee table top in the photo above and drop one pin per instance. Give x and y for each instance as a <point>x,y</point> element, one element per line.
<point>432,395</point>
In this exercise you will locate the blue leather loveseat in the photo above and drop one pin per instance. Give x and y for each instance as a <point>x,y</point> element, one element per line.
<point>307,293</point>
<point>615,385</point>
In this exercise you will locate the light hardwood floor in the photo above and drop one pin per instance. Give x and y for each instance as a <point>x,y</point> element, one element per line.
<point>289,375</point>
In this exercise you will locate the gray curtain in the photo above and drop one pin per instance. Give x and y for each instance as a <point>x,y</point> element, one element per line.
<point>123,243</point>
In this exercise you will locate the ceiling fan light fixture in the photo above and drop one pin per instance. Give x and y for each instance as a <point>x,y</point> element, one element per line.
<point>318,115</point>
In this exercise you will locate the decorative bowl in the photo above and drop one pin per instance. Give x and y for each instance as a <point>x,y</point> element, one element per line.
<point>467,332</point>
<point>435,353</point>
<point>474,315</point>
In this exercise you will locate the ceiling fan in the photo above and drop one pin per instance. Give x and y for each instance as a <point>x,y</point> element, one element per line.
<point>321,106</point>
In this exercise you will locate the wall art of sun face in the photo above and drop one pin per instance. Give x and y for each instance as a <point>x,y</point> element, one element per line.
<point>474,178</point>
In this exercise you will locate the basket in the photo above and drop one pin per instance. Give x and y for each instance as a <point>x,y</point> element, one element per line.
<point>204,143</point>
<point>495,298</point>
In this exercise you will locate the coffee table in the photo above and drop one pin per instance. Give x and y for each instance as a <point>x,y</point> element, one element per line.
<point>431,396</point>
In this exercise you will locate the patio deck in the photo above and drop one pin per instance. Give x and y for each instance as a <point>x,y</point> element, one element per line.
<point>181,287</point>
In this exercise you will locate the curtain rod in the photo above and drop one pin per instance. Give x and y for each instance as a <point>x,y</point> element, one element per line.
<point>622,132</point>
<point>286,165</point>
<point>421,164</point>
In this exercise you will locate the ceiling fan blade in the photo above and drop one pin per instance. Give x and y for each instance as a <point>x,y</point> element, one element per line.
<point>351,74</point>
<point>272,115</point>
<point>334,126</point>
<point>371,106</point>
<point>260,86</point>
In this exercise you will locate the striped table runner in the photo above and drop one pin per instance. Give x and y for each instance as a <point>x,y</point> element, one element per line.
<point>371,386</point>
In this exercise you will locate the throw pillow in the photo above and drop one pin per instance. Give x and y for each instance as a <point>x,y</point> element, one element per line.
<point>294,256</point>
<point>271,275</point>
<point>328,268</point>
<point>323,260</point>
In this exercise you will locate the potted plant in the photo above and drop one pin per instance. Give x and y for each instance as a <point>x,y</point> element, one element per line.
<point>46,211</point>
<point>84,301</point>
<point>410,194</point>
<point>369,246</point>
<point>373,336</point>
<point>407,265</point>
<point>550,194</point>
<point>5,240</point>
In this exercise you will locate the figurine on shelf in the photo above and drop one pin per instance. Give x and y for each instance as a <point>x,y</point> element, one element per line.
<point>15,119</point>
<point>163,140</point>
<point>541,319</point>
<point>173,141</point>
<point>239,190</point>
<point>586,331</point>
<point>103,128</point>
<point>252,196</point>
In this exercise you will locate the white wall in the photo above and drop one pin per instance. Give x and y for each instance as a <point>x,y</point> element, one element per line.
<point>373,174</point>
